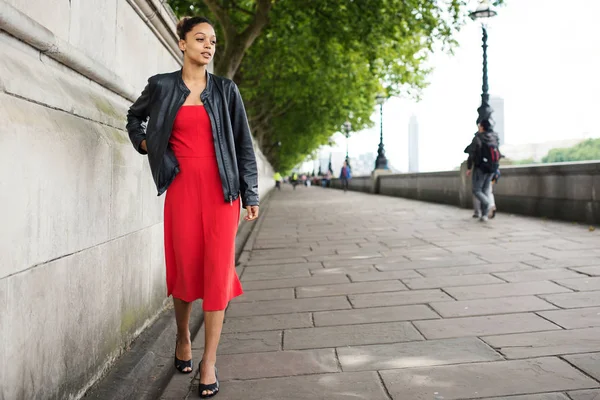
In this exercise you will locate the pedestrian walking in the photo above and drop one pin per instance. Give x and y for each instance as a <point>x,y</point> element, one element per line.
<point>200,152</point>
<point>477,212</point>
<point>345,176</point>
<point>294,180</point>
<point>277,177</point>
<point>482,164</point>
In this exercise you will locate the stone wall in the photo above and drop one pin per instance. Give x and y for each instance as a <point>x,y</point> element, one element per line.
<point>81,247</point>
<point>567,191</point>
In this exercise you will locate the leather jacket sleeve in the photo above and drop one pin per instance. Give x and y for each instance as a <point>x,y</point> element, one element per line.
<point>246,159</point>
<point>136,117</point>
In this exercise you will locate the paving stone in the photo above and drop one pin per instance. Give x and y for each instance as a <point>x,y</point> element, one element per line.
<point>499,305</point>
<point>277,363</point>
<point>287,306</point>
<point>343,270</point>
<point>280,245</point>
<point>338,247</point>
<point>486,325</point>
<point>278,261</point>
<point>296,282</point>
<point>244,342</point>
<point>593,271</point>
<point>538,275</point>
<point>349,335</point>
<point>277,254</point>
<point>477,249</point>
<point>383,276</point>
<point>250,275</point>
<point>568,254</point>
<point>475,269</point>
<point>524,345</point>
<point>565,262</point>
<point>581,284</point>
<point>477,381</point>
<point>418,254</point>
<point>431,262</point>
<point>585,394</point>
<point>415,354</point>
<point>503,256</point>
<point>351,262</point>
<point>350,255</point>
<point>265,294</point>
<point>541,396</point>
<point>575,318</point>
<point>447,281</point>
<point>349,288</point>
<point>410,243</point>
<point>267,322</point>
<point>283,267</point>
<point>588,363</point>
<point>397,298</point>
<point>574,300</point>
<point>504,290</point>
<point>340,386</point>
<point>373,315</point>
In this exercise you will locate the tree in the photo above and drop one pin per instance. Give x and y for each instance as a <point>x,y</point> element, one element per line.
<point>584,151</point>
<point>239,24</point>
<point>304,67</point>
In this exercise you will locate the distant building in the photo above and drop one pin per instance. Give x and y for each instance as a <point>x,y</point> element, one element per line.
<point>413,144</point>
<point>497,104</point>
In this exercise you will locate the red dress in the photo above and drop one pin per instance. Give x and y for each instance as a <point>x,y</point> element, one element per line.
<point>200,227</point>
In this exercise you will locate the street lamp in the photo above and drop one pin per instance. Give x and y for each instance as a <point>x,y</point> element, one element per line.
<point>381,161</point>
<point>483,12</point>
<point>347,127</point>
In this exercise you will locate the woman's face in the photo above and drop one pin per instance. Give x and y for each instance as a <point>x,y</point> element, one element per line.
<point>199,44</point>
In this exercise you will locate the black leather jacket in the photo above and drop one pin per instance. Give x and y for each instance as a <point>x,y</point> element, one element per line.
<point>161,99</point>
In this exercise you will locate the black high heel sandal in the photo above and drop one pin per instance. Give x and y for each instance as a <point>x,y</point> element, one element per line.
<point>181,365</point>
<point>213,387</point>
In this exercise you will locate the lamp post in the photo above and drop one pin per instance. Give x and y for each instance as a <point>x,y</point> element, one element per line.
<point>483,12</point>
<point>347,127</point>
<point>381,161</point>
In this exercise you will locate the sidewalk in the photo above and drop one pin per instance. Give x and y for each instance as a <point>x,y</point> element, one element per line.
<point>353,296</point>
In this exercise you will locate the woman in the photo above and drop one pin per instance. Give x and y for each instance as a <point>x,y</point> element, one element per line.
<point>199,147</point>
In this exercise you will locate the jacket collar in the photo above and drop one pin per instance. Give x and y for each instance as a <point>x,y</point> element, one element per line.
<point>185,89</point>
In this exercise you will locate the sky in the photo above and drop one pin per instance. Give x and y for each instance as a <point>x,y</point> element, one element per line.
<point>543,60</point>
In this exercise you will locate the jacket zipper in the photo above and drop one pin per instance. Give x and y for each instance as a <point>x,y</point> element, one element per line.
<point>222,156</point>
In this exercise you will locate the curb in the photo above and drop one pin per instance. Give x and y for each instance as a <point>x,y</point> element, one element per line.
<point>145,369</point>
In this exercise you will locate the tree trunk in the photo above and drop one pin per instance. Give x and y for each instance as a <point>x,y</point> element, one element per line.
<point>236,43</point>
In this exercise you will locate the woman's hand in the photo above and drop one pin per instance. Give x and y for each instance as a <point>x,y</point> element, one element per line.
<point>143,145</point>
<point>252,213</point>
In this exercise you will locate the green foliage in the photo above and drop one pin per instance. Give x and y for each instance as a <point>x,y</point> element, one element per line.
<point>318,63</point>
<point>585,151</point>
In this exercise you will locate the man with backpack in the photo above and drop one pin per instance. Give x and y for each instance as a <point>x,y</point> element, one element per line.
<point>483,162</point>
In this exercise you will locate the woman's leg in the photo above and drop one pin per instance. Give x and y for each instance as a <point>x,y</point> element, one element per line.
<point>183,310</point>
<point>213,325</point>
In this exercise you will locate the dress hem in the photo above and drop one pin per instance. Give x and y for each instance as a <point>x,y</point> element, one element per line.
<point>192,299</point>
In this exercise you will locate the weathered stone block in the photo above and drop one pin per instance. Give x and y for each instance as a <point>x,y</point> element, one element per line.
<point>349,335</point>
<point>477,381</point>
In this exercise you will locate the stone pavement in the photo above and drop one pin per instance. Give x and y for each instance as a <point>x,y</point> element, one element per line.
<point>354,296</point>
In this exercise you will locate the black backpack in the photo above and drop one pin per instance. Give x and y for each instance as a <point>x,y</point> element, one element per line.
<point>489,157</point>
